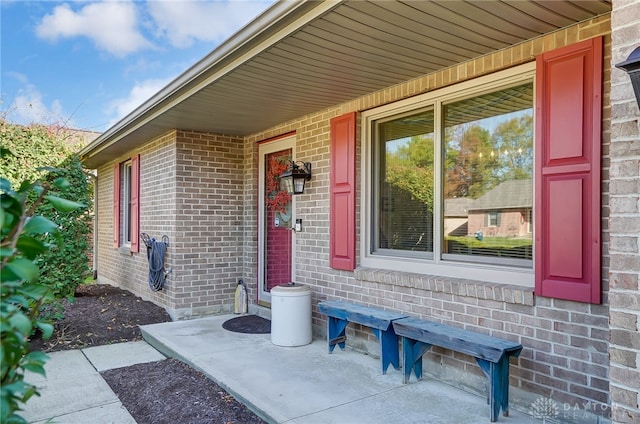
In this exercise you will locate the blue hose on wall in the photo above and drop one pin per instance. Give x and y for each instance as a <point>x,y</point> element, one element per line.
<point>156,250</point>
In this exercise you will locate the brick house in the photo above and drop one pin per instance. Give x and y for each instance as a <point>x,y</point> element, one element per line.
<point>505,211</point>
<point>397,106</point>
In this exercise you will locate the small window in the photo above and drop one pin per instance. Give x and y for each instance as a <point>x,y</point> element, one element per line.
<point>126,204</point>
<point>125,201</point>
<point>493,219</point>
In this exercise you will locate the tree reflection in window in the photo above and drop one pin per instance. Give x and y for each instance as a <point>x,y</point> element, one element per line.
<point>488,161</point>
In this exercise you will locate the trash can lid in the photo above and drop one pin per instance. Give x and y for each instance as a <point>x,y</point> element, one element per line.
<point>290,288</point>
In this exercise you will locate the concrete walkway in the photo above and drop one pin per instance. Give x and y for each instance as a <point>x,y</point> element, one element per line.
<point>73,390</point>
<point>285,385</point>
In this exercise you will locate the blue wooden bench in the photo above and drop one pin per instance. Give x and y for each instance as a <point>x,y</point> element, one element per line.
<point>340,313</point>
<point>491,353</point>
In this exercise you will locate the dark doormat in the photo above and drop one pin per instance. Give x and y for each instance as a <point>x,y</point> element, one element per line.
<point>250,324</point>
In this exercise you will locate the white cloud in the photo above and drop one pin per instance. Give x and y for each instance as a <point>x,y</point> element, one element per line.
<point>142,66</point>
<point>140,93</point>
<point>29,107</point>
<point>22,78</point>
<point>183,22</point>
<point>112,26</point>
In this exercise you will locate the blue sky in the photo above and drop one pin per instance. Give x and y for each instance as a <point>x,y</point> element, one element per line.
<point>87,64</point>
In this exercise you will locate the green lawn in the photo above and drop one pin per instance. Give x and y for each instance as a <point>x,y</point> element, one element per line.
<point>506,247</point>
<point>492,242</point>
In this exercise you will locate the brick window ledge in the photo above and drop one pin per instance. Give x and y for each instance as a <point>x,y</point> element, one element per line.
<point>507,293</point>
<point>125,250</point>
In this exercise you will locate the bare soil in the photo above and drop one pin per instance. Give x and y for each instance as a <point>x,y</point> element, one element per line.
<point>167,391</point>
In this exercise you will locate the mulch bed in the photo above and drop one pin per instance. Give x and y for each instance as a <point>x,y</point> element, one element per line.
<point>167,391</point>
<point>170,391</point>
<point>100,314</point>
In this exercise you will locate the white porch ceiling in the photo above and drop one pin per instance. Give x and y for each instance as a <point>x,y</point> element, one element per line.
<point>300,57</point>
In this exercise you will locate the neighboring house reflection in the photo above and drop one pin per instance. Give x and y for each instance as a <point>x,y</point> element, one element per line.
<point>504,211</point>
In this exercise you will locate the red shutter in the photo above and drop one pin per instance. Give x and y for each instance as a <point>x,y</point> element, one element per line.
<point>135,204</point>
<point>567,203</point>
<point>116,205</point>
<point>342,251</point>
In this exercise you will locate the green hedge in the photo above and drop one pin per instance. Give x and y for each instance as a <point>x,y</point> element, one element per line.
<point>21,292</point>
<point>45,154</point>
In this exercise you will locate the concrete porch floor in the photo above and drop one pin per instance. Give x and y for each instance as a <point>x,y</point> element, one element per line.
<point>306,385</point>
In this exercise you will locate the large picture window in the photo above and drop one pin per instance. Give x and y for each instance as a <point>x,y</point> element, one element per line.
<point>451,181</point>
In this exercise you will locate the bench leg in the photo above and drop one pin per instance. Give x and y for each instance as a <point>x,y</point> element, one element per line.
<point>412,351</point>
<point>388,348</point>
<point>336,334</point>
<point>498,374</point>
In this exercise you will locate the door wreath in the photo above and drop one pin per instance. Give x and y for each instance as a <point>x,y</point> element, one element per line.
<point>276,199</point>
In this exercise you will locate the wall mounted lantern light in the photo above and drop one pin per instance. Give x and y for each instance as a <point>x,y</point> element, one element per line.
<point>293,179</point>
<point>632,67</point>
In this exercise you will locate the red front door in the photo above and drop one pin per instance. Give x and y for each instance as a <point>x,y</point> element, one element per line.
<point>275,263</point>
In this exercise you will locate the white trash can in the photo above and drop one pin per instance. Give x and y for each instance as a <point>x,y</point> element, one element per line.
<point>291,315</point>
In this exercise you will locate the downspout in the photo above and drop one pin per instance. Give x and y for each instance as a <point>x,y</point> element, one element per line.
<point>94,175</point>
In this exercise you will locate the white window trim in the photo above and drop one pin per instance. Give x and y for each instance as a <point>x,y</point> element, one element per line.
<point>436,265</point>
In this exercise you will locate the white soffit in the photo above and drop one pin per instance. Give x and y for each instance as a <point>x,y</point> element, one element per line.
<point>300,57</point>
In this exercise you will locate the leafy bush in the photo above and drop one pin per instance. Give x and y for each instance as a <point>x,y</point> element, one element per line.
<point>45,153</point>
<point>35,147</point>
<point>21,295</point>
<point>65,265</point>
